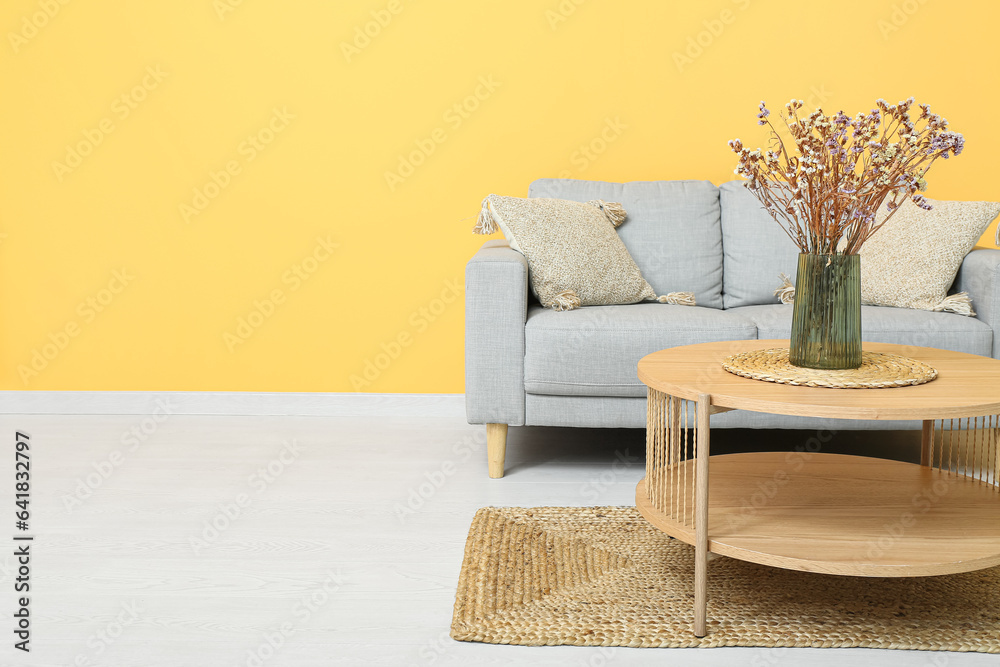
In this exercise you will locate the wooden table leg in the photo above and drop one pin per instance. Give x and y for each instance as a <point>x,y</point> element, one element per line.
<point>701,517</point>
<point>926,442</point>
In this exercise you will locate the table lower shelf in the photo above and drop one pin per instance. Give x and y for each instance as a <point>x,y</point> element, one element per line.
<point>847,515</point>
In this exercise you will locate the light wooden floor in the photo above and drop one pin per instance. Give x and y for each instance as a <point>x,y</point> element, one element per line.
<point>323,549</point>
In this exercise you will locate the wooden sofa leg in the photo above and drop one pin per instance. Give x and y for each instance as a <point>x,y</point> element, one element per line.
<point>496,448</point>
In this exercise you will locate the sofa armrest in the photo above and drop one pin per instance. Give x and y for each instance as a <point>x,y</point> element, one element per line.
<point>979,275</point>
<point>496,309</point>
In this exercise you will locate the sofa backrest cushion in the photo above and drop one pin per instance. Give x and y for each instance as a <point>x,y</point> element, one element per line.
<point>672,230</point>
<point>756,248</point>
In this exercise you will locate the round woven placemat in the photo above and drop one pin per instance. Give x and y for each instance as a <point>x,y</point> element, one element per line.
<point>877,370</point>
<point>603,576</point>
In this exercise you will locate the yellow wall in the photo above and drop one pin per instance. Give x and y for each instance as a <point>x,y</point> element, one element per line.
<point>169,94</point>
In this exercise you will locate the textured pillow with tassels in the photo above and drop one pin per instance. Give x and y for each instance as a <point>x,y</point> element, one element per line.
<point>912,260</point>
<point>575,257</point>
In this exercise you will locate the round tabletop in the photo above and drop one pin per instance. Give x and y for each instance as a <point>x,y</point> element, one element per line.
<point>967,385</point>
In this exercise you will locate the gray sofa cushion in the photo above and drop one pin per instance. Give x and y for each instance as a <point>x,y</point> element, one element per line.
<point>756,249</point>
<point>594,351</point>
<point>881,324</point>
<point>672,230</point>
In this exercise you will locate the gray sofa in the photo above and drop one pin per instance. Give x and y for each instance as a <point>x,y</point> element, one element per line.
<point>527,365</point>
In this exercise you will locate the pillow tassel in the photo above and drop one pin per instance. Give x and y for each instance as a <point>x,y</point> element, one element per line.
<point>614,211</point>
<point>485,224</point>
<point>785,293</point>
<point>678,298</point>
<point>566,300</point>
<point>959,303</point>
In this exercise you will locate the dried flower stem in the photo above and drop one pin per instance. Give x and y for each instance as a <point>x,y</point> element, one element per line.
<point>825,195</point>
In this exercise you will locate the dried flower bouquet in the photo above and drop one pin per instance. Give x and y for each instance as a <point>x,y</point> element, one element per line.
<point>826,188</point>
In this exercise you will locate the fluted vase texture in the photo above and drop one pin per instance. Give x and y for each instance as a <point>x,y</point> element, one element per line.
<point>826,317</point>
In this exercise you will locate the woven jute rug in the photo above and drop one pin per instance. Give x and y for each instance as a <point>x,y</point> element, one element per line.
<point>602,576</point>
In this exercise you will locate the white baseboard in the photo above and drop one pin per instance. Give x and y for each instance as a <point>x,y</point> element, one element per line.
<point>232,403</point>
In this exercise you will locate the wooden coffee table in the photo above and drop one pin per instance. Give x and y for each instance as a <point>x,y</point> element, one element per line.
<point>818,512</point>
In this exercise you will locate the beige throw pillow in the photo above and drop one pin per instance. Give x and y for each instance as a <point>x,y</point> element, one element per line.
<point>575,257</point>
<point>912,261</point>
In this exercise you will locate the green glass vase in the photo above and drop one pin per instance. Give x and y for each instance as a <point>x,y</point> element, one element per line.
<point>826,317</point>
